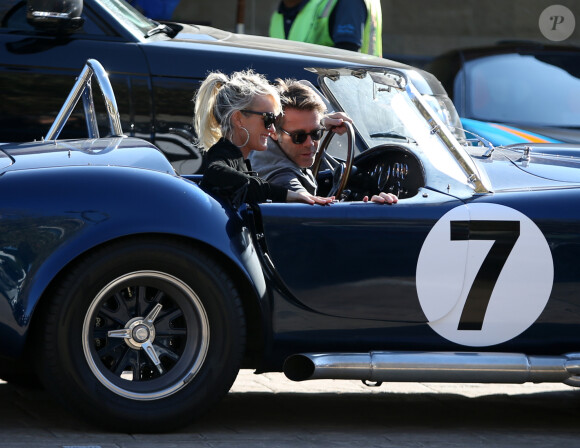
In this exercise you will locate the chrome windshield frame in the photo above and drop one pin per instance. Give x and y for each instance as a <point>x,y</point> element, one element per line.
<point>474,181</point>
<point>449,140</point>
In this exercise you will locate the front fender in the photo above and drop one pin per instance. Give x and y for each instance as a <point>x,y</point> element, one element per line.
<point>53,216</point>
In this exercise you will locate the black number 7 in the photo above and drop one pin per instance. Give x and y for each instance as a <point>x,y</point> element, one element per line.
<point>504,234</point>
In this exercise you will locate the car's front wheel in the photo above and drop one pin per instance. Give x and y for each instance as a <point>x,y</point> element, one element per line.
<point>143,336</point>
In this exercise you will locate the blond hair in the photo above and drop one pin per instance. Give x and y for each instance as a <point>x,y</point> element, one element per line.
<point>219,96</point>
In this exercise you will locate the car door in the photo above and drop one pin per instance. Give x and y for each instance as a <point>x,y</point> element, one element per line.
<point>362,260</point>
<point>38,69</point>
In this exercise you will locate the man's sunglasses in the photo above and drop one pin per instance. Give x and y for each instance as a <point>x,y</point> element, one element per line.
<point>268,117</point>
<point>299,137</point>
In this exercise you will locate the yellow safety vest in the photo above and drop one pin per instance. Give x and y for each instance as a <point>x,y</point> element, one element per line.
<point>373,34</point>
<point>312,25</point>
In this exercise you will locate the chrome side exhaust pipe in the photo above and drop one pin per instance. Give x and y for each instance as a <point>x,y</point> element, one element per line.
<point>446,367</point>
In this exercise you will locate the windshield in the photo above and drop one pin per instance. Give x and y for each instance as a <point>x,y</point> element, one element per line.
<point>513,88</point>
<point>132,20</point>
<point>383,113</point>
<point>370,106</point>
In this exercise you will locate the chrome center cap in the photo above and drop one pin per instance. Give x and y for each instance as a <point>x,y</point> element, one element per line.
<point>140,334</point>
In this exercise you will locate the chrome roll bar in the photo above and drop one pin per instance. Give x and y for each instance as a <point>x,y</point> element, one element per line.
<point>82,87</point>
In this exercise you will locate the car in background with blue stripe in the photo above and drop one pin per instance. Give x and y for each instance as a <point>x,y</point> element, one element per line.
<point>514,92</point>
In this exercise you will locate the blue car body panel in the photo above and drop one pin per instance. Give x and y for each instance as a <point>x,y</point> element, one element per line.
<point>329,295</point>
<point>345,277</point>
<point>53,215</point>
<point>307,270</point>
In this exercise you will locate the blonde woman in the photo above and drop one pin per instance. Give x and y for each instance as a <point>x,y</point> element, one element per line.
<point>234,116</point>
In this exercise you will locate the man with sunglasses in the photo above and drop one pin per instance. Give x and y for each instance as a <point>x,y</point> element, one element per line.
<point>292,148</point>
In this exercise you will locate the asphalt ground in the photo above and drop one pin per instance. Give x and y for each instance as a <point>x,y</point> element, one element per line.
<point>271,411</point>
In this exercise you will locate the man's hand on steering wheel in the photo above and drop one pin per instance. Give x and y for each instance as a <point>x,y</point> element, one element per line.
<point>342,172</point>
<point>335,122</point>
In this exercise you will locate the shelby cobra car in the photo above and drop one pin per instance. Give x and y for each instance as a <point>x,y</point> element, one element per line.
<point>154,68</point>
<point>136,297</point>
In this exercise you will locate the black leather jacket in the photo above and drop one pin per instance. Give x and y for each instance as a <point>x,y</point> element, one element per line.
<point>228,175</point>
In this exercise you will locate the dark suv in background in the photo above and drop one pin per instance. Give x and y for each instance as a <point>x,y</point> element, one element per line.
<point>154,68</point>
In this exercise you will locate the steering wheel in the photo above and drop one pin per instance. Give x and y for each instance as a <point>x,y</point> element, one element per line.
<point>342,171</point>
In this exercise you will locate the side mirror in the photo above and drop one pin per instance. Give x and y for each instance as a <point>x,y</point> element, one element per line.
<point>59,16</point>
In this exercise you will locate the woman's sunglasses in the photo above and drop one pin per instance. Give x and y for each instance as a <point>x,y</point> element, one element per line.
<point>268,117</point>
<point>299,137</point>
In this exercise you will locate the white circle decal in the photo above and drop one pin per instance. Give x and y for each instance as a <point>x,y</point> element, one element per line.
<point>484,275</point>
<point>557,23</point>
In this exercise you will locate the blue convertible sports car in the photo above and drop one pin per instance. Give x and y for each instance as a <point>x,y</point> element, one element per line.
<point>136,297</point>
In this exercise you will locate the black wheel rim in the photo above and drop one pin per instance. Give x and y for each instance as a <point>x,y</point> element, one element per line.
<point>145,335</point>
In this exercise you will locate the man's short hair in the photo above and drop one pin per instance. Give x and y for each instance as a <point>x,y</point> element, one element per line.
<point>295,95</point>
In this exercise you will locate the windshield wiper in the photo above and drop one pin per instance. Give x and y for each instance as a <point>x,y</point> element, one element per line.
<point>486,143</point>
<point>392,135</point>
<point>161,28</point>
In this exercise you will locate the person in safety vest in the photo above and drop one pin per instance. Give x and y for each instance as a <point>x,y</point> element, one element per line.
<point>349,24</point>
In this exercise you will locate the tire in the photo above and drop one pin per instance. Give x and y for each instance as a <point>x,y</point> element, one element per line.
<point>143,336</point>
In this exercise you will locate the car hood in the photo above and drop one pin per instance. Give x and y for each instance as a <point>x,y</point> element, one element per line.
<point>119,151</point>
<point>527,166</point>
<point>217,37</point>
<point>258,51</point>
<point>214,36</point>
